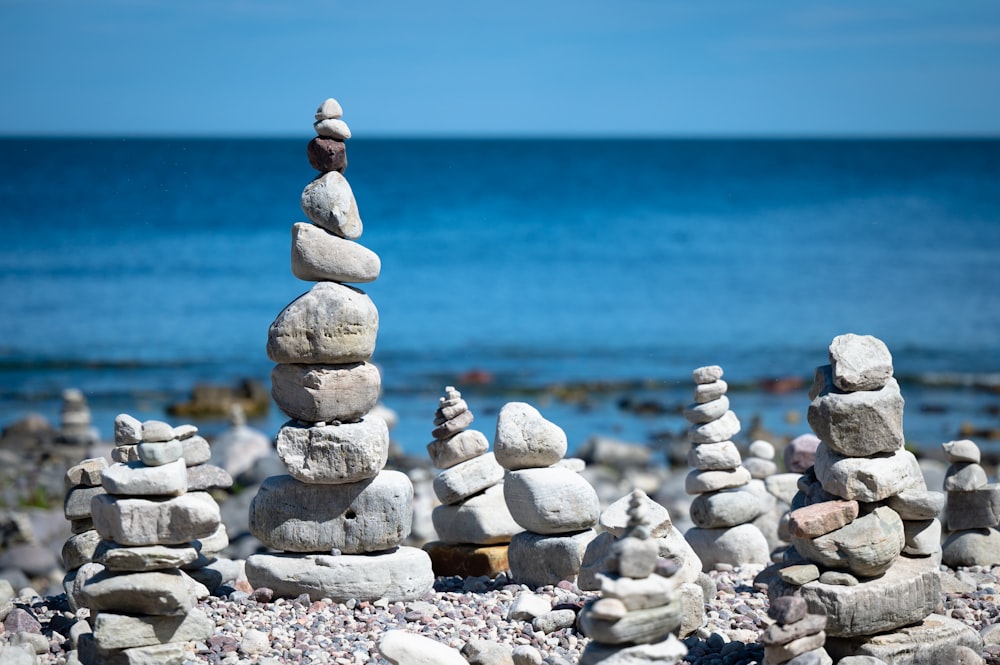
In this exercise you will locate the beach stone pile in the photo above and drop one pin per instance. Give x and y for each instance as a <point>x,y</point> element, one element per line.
<point>638,615</point>
<point>796,637</point>
<point>773,491</point>
<point>338,517</point>
<point>152,523</point>
<point>546,496</point>
<point>724,508</point>
<point>473,524</point>
<point>83,483</point>
<point>865,538</point>
<point>972,512</point>
<point>75,424</point>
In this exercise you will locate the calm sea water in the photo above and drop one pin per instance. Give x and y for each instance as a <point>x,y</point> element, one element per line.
<point>132,269</point>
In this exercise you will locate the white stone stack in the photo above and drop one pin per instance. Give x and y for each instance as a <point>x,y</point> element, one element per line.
<point>472,522</point>
<point>637,617</point>
<point>972,513</point>
<point>338,516</point>
<point>75,426</point>
<point>724,507</point>
<point>142,605</point>
<point>866,541</point>
<point>555,505</point>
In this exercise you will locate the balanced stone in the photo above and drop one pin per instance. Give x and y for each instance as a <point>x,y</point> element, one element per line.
<point>128,430</point>
<point>860,362</point>
<point>742,544</point>
<point>721,429</point>
<point>525,439</point>
<point>404,573</point>
<point>79,549</point>
<point>866,546</point>
<point>137,521</point>
<point>921,537</point>
<point>327,154</point>
<point>365,516</point>
<point>137,479</point>
<point>962,451</point>
<point>334,454</point>
<point>972,547</point>
<point>483,519</point>
<point>321,256</point>
<point>333,128</point>
<point>698,482</point>
<point>156,430</point>
<point>706,412</point>
<point>122,631</point>
<point>446,453</point>
<point>87,473</point>
<point>76,504</point>
<point>125,453</point>
<point>150,557</point>
<point>867,479</point>
<point>330,108</point>
<point>329,203</point>
<point>158,593</point>
<point>203,477</point>
<point>761,449</point>
<point>326,393</point>
<point>643,626</point>
<point>329,324</point>
<point>721,456</point>
<point>808,624</point>
<point>551,500</point>
<point>858,424</point>
<point>196,450</point>
<point>978,509</point>
<point>447,427</point>
<point>726,508</point>
<point>821,518</point>
<point>917,504</point>
<point>929,641</point>
<point>467,478</point>
<point>707,374</point>
<point>538,560</point>
<point>965,477</point>
<point>158,453</point>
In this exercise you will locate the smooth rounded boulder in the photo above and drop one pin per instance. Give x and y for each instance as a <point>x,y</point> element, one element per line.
<point>328,202</point>
<point>331,324</point>
<point>551,500</point>
<point>525,439</point>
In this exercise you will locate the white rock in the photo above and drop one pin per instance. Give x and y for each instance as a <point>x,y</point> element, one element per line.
<point>615,518</point>
<point>334,454</point>
<point>401,647</point>
<point>866,479</point>
<point>331,324</point>
<point>195,450</point>
<point>467,478</point>
<point>332,128</point>
<point>723,429</point>
<point>706,392</point>
<point>860,362</point>
<point>481,520</point>
<point>707,374</point>
<point>525,439</point>
<point>174,521</point>
<point>699,482</point>
<point>720,456</point>
<point>527,605</point>
<point>128,430</point>
<point>329,203</point>
<point>330,108</point>
<point>321,256</point>
<point>963,450</point>
<point>156,430</point>
<point>700,413</point>
<point>255,642</point>
<point>551,500</point>
<point>137,479</point>
<point>446,453</point>
<point>761,449</point>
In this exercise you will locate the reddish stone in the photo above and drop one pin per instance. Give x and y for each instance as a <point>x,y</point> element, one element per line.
<point>327,155</point>
<point>818,519</point>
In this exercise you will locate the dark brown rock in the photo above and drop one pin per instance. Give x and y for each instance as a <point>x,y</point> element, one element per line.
<point>787,609</point>
<point>327,154</point>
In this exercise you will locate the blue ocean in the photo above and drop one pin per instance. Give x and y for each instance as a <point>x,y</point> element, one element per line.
<point>587,277</point>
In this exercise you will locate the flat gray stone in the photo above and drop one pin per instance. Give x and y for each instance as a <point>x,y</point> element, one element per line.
<point>321,256</point>
<point>538,560</point>
<point>446,453</point>
<point>670,650</point>
<point>170,653</point>
<point>331,324</point>
<point>402,574</point>
<point>965,477</point>
<point>551,500</point>
<point>524,439</point>
<point>866,547</point>
<point>929,642</point>
<point>643,626</point>
<point>736,546</point>
<point>467,478</point>
<point>334,454</point>
<point>139,559</point>
<point>917,504</point>
<point>137,479</point>
<point>138,521</point>
<point>722,429</point>
<point>157,593</point>
<point>120,631</point>
<point>329,203</point>
<point>858,424</point>
<point>79,549</point>
<point>160,452</point>
<point>975,547</point>
<point>156,430</point>
<point>195,450</point>
<point>203,477</point>
<point>978,509</point>
<point>326,393</point>
<point>76,505</point>
<point>860,362</point>
<point>724,509</point>
<point>700,413</point>
<point>366,516</point>
<point>719,456</point>
<point>480,520</point>
<point>868,479</point>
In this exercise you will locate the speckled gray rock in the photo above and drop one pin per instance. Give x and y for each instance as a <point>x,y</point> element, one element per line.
<point>370,515</point>
<point>720,456</point>
<point>128,430</point>
<point>329,203</point>
<point>137,479</point>
<point>858,424</point>
<point>867,479</point>
<point>331,324</point>
<point>326,393</point>
<point>860,362</point>
<point>551,500</point>
<point>79,549</point>
<point>537,560</point>
<point>467,478</point>
<point>482,520</point>
<point>321,256</point>
<point>402,574</point>
<point>138,521</point>
<point>121,631</point>
<point>334,454</point>
<point>979,509</point>
<point>525,439</point>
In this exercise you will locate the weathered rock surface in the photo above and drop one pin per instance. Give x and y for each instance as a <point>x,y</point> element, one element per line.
<point>525,439</point>
<point>331,324</point>
<point>860,362</point>
<point>482,519</point>
<point>326,393</point>
<point>137,521</point>
<point>551,500</point>
<point>867,479</point>
<point>858,424</point>
<point>334,454</point>
<point>328,202</point>
<point>467,478</point>
<point>537,560</point>
<point>321,256</point>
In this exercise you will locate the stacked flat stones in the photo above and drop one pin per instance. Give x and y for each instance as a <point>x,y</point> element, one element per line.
<point>83,483</point>
<point>866,541</point>
<point>972,513</point>
<point>723,509</point>
<point>75,427</point>
<point>555,505</point>
<point>796,637</point>
<point>338,516</point>
<point>472,523</point>
<point>638,614</point>
<point>142,604</point>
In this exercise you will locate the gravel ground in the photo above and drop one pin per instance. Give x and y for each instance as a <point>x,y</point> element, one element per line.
<point>251,629</point>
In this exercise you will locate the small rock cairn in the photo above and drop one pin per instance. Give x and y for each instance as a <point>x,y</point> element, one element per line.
<point>638,615</point>
<point>772,490</point>
<point>472,523</point>
<point>142,604</point>
<point>972,513</point>
<point>553,503</point>
<point>723,509</point>
<point>75,426</point>
<point>338,516</point>
<point>795,636</point>
<point>83,483</point>
<point>866,541</point>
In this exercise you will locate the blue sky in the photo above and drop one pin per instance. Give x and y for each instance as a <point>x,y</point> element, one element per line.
<point>516,68</point>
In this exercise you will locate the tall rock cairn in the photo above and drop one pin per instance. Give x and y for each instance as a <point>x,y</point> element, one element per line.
<point>472,523</point>
<point>338,515</point>
<point>972,513</point>
<point>142,604</point>
<point>865,538</point>
<point>555,505</point>
<point>637,617</point>
<point>723,508</point>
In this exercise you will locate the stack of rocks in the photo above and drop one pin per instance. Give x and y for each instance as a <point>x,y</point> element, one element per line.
<point>638,614</point>
<point>83,483</point>
<point>338,515</point>
<point>75,426</point>
<point>142,605</point>
<point>972,513</point>
<point>472,523</point>
<point>555,505</point>
<point>866,541</point>
<point>796,637</point>
<point>773,492</point>
<point>723,509</point>
<point>759,460</point>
